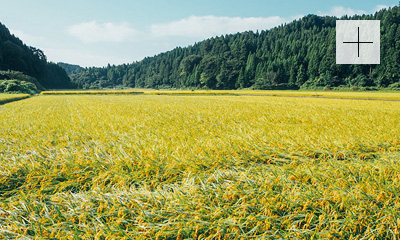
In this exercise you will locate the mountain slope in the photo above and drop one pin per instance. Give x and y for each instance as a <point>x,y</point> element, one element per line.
<point>70,68</point>
<point>296,55</point>
<point>16,56</point>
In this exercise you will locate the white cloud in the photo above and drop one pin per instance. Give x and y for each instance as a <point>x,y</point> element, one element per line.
<point>380,7</point>
<point>82,58</point>
<point>91,32</point>
<point>27,38</point>
<point>209,26</point>
<point>340,11</point>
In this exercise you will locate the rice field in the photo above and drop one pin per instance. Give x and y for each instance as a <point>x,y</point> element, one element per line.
<point>377,95</point>
<point>199,167</point>
<point>6,98</point>
<point>92,92</point>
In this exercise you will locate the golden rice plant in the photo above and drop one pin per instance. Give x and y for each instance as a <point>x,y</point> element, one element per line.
<point>199,167</point>
<point>91,92</point>
<point>378,95</point>
<point>6,98</point>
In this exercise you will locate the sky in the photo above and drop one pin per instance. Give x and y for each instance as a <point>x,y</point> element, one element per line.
<point>100,32</point>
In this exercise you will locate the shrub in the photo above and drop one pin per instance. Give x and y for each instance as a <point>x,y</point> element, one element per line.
<point>16,86</point>
<point>394,86</point>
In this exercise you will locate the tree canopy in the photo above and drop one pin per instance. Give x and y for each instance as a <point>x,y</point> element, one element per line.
<point>300,54</point>
<point>30,61</point>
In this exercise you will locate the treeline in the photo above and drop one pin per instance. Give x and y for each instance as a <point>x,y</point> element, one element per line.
<point>30,61</point>
<point>70,68</point>
<point>17,82</point>
<point>292,56</point>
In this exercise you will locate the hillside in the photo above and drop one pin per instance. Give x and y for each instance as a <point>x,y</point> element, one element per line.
<point>300,54</point>
<point>70,68</point>
<point>16,56</point>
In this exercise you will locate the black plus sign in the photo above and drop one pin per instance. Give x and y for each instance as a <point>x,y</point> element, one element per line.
<point>358,42</point>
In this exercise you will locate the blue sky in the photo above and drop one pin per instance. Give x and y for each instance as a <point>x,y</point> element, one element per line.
<point>98,32</point>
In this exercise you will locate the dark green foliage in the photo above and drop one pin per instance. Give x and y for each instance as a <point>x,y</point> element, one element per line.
<point>71,69</point>
<point>17,86</point>
<point>8,75</point>
<point>16,56</point>
<point>57,78</point>
<point>301,54</point>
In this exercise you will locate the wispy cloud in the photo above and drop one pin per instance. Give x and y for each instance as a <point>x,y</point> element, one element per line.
<point>91,32</point>
<point>83,58</point>
<point>208,26</point>
<point>27,38</point>
<point>380,7</point>
<point>340,11</point>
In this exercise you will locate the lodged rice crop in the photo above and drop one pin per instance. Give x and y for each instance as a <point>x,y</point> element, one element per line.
<point>199,167</point>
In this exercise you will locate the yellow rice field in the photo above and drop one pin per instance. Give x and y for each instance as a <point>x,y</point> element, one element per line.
<point>281,93</point>
<point>91,92</point>
<point>5,98</point>
<point>199,167</point>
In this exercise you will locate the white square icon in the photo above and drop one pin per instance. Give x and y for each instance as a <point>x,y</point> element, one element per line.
<point>358,42</point>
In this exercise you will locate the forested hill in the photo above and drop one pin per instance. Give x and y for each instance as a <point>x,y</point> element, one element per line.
<point>300,54</point>
<point>16,56</point>
<point>70,68</point>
